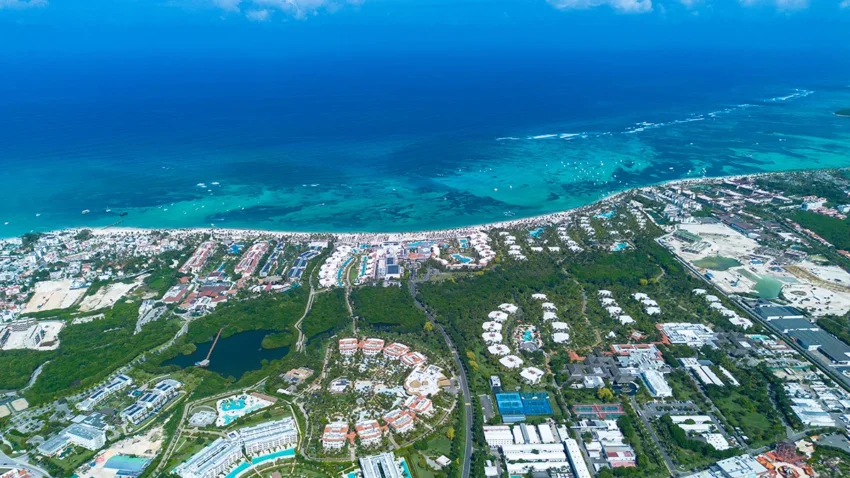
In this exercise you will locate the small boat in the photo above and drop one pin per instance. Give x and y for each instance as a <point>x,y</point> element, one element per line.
<point>124,214</point>
<point>86,211</point>
<point>108,210</point>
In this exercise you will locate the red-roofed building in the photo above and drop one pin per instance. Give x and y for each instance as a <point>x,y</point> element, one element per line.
<point>369,432</point>
<point>414,359</point>
<point>348,346</point>
<point>334,436</point>
<point>395,351</point>
<point>372,346</point>
<point>401,421</point>
<point>420,405</point>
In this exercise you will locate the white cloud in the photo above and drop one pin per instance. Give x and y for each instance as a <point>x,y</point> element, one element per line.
<point>227,5</point>
<point>622,6</point>
<point>781,5</point>
<point>690,3</point>
<point>844,4</point>
<point>260,10</point>
<point>258,15</point>
<point>22,4</point>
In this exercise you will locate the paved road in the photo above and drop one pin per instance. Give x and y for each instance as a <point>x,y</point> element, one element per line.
<point>9,462</point>
<point>671,467</point>
<point>467,400</point>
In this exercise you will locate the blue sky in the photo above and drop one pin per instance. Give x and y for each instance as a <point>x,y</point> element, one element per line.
<point>273,26</point>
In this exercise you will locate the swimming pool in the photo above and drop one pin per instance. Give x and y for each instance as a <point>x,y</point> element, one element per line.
<point>605,215</point>
<point>464,242</point>
<point>238,470</point>
<point>527,336</point>
<point>536,233</point>
<point>288,453</point>
<point>233,405</point>
<point>462,259</point>
<point>619,246</point>
<point>405,471</point>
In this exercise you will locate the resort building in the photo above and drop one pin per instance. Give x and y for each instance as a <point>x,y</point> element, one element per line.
<point>372,346</point>
<point>334,436</point>
<point>401,421</point>
<point>348,346</point>
<point>117,384</point>
<point>497,316</point>
<point>85,436</point>
<point>499,349</point>
<point>492,337</point>
<point>414,359</point>
<point>395,351</point>
<point>509,308</point>
<point>269,436</point>
<point>151,401</point>
<point>380,466</point>
<point>369,432</point>
<point>419,405</point>
<point>212,461</point>
<point>511,361</point>
<point>531,375</point>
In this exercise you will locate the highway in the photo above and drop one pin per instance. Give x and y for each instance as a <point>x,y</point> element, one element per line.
<point>464,385</point>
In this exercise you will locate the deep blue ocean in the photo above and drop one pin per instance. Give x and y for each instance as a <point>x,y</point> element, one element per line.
<point>395,141</point>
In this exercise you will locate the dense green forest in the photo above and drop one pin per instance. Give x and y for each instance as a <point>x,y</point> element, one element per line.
<point>834,230</point>
<point>389,308</point>
<point>89,352</point>
<point>327,315</point>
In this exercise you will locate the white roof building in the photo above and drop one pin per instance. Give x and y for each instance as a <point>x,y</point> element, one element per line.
<point>531,375</point>
<point>499,349</point>
<point>492,337</point>
<point>561,337</point>
<point>547,316</point>
<point>492,326</point>
<point>499,435</point>
<point>538,296</point>
<point>549,306</point>
<point>509,308</point>
<point>498,316</point>
<point>511,361</point>
<point>560,326</point>
<point>626,319</point>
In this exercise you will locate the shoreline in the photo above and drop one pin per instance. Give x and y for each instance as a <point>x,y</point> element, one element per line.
<point>531,221</point>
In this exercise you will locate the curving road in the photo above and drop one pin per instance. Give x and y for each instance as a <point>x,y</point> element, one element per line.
<point>467,402</point>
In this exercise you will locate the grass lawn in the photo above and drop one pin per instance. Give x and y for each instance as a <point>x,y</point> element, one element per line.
<point>439,445</point>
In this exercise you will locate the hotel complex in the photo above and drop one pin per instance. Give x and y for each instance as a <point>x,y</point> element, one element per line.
<point>222,454</point>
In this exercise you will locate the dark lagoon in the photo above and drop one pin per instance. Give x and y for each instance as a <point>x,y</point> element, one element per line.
<point>234,355</point>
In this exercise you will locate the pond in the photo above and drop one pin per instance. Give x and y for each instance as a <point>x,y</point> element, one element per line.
<point>234,355</point>
<point>717,263</point>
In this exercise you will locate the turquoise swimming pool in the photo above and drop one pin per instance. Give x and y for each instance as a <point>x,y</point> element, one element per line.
<point>536,233</point>
<point>527,336</point>
<point>233,405</point>
<point>619,246</point>
<point>464,242</point>
<point>462,259</point>
<point>238,470</point>
<point>606,215</point>
<point>405,471</point>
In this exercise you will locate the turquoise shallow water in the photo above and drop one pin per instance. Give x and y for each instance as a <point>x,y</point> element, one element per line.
<point>406,148</point>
